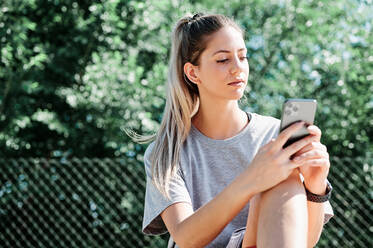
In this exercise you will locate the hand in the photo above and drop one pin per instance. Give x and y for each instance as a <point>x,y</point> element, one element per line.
<point>314,163</point>
<point>272,164</point>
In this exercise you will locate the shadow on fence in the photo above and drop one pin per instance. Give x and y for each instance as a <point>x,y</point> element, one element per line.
<point>99,203</point>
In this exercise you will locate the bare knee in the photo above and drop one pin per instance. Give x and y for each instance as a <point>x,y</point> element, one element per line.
<point>287,199</point>
<point>283,215</point>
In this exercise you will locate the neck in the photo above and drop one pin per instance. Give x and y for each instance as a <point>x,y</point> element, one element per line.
<point>220,119</point>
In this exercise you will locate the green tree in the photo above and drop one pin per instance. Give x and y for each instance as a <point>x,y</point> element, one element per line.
<point>45,45</point>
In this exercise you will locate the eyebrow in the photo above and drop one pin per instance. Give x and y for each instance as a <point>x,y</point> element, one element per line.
<point>226,51</point>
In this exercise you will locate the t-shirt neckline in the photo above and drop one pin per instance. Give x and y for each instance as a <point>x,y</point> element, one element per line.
<point>248,128</point>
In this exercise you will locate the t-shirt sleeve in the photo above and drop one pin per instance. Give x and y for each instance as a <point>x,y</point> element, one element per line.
<point>328,212</point>
<point>155,202</point>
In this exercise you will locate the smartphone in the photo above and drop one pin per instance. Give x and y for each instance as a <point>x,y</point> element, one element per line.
<point>294,110</point>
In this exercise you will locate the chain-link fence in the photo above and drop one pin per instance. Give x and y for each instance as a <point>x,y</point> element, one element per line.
<point>99,203</point>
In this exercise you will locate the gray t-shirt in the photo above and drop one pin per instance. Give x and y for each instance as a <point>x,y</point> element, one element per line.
<point>207,166</point>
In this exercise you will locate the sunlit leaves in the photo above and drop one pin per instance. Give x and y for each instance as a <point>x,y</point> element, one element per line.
<point>98,67</point>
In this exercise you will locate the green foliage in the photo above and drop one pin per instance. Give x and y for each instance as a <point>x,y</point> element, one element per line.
<point>46,45</point>
<point>313,49</point>
<point>75,74</point>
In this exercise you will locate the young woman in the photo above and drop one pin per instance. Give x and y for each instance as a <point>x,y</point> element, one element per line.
<point>218,176</point>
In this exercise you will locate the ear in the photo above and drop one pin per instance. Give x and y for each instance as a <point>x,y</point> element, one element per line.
<point>191,71</point>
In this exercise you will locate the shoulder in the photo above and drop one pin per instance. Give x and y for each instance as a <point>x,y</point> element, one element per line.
<point>266,122</point>
<point>265,127</point>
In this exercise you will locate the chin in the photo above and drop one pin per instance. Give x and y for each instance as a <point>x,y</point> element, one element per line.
<point>234,97</point>
<point>237,95</point>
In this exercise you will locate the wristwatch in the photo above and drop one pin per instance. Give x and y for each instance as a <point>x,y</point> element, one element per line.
<point>319,198</point>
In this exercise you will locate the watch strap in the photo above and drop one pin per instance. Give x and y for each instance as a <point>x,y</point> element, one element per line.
<point>319,198</point>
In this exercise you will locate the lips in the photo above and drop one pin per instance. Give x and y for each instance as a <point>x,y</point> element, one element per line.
<point>236,83</point>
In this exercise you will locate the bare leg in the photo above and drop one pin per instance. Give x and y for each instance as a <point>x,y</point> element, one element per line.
<point>279,216</point>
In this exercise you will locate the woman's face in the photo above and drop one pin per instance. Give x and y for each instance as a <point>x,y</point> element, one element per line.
<point>223,67</point>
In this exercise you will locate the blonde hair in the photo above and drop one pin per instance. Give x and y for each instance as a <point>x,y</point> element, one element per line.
<point>182,100</point>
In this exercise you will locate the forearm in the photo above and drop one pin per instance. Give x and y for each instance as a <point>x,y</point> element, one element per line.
<point>315,222</point>
<point>315,217</point>
<point>207,222</point>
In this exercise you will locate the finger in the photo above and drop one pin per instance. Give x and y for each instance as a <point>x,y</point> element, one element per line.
<point>320,162</point>
<point>287,133</point>
<point>296,146</point>
<point>314,130</point>
<point>269,144</point>
<point>313,154</point>
<point>294,165</point>
<point>311,146</point>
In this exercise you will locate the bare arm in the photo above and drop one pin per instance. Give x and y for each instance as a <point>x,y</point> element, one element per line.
<point>315,217</point>
<point>197,229</point>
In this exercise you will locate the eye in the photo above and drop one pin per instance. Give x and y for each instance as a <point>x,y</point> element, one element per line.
<point>222,61</point>
<point>225,60</point>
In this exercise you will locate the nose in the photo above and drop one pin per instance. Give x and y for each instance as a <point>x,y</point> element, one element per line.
<point>238,66</point>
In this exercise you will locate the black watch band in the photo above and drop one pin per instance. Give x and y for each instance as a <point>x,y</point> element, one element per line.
<point>319,198</point>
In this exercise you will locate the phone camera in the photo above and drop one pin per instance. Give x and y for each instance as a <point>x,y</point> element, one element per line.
<point>291,109</point>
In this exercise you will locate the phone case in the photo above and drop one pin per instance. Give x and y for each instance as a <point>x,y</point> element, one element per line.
<point>294,110</point>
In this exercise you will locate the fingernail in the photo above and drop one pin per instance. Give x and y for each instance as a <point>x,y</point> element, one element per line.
<point>311,127</point>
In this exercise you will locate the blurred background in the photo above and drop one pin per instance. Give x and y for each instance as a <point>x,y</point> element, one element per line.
<point>75,74</point>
